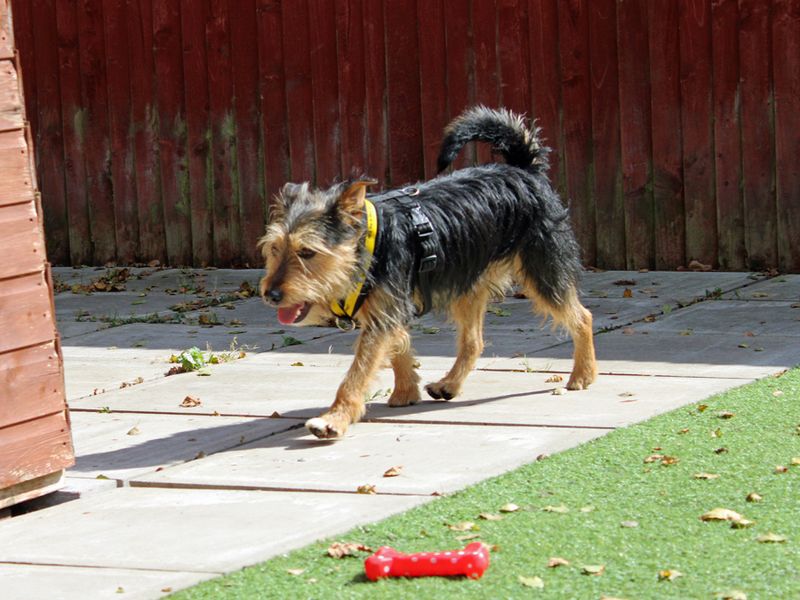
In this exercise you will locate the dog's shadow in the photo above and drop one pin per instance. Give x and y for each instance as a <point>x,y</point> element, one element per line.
<point>286,432</point>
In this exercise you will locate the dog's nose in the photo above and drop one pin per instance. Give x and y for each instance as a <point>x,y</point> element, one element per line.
<point>275,295</point>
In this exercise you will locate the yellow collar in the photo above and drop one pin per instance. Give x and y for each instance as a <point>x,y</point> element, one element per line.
<point>348,307</point>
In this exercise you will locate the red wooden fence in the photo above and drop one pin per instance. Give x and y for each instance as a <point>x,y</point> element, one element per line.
<point>164,126</point>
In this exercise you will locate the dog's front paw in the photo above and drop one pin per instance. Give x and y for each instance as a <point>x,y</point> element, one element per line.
<point>442,390</point>
<point>324,429</point>
<point>580,379</point>
<point>404,397</point>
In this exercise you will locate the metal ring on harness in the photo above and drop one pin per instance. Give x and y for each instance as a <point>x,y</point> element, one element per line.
<point>345,324</point>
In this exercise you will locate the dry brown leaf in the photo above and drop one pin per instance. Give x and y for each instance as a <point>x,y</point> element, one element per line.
<point>702,407</point>
<point>393,471</point>
<point>557,561</point>
<point>781,469</point>
<point>342,549</point>
<point>508,508</point>
<point>669,574</point>
<point>463,526</point>
<point>726,414</point>
<point>554,379</point>
<point>696,265</point>
<point>190,402</point>
<point>653,458</point>
<point>593,569</point>
<point>134,431</point>
<point>560,509</point>
<point>628,293</point>
<point>559,391</point>
<point>796,461</point>
<point>742,524</point>
<point>295,572</point>
<point>706,476</point>
<point>721,514</point>
<point>770,538</point>
<point>683,431</point>
<point>754,497</point>
<point>490,517</point>
<point>366,489</point>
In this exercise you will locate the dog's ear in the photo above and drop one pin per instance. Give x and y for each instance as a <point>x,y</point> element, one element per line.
<point>283,199</point>
<point>351,201</point>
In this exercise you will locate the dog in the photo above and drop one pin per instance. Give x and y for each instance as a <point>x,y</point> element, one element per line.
<point>450,244</point>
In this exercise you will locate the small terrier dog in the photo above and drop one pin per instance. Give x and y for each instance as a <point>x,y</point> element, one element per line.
<point>449,244</point>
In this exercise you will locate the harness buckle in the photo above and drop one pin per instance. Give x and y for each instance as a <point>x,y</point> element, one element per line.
<point>345,323</point>
<point>428,263</point>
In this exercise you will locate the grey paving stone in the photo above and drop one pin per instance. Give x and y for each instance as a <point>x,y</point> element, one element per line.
<point>121,446</point>
<point>147,278</point>
<point>91,371</point>
<point>68,328</point>
<point>116,307</point>
<point>783,287</point>
<point>748,319</point>
<point>435,458</point>
<point>35,582</point>
<point>196,531</point>
<point>665,286</point>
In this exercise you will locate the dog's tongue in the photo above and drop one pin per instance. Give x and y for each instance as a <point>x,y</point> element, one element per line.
<point>288,314</point>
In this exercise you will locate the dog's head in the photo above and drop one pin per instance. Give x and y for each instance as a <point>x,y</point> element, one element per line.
<point>311,249</point>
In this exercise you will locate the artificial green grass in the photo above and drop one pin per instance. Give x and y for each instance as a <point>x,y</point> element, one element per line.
<point>601,483</point>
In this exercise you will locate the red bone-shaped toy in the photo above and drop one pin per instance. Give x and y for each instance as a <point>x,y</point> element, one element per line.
<point>472,561</point>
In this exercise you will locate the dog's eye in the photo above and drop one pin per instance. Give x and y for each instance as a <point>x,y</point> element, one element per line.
<point>306,253</point>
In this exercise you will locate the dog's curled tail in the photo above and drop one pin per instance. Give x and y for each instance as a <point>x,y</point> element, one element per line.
<point>505,130</point>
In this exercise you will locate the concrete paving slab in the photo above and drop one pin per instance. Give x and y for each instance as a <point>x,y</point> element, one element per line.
<point>435,458</point>
<point>121,446</point>
<point>147,278</point>
<point>783,287</point>
<point>748,319</point>
<point>34,582</point>
<point>69,328</point>
<point>116,307</point>
<point>196,531</point>
<point>92,371</point>
<point>527,399</point>
<point>665,286</point>
<point>673,354</point>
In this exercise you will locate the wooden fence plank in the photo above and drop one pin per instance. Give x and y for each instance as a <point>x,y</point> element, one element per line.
<point>10,99</point>
<point>433,80</point>
<point>546,83</point>
<point>49,135</point>
<point>573,35</point>
<point>727,147</point>
<point>223,135</point>
<point>297,65</point>
<point>607,184</point>
<point>786,70</point>
<point>16,179</point>
<point>325,91</point>
<point>634,98</point>
<point>144,113</point>
<point>403,91</point>
<point>512,55</point>
<point>486,74</point>
<point>460,70</point>
<point>169,95</point>
<point>375,71</point>
<point>73,117</point>
<point>22,247</point>
<point>126,223</point>
<point>698,139</point>
<point>194,14</point>
<point>25,315</point>
<point>273,97</point>
<point>250,181</point>
<point>757,135</point>
<point>32,384</point>
<point>35,448</point>
<point>665,104</point>
<point>352,85</point>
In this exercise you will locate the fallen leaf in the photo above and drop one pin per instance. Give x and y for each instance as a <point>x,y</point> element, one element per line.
<point>628,331</point>
<point>742,524</point>
<point>721,514</point>
<point>490,517</point>
<point>781,469</point>
<point>190,402</point>
<point>686,332</point>
<point>469,536</point>
<point>366,489</point>
<point>743,345</point>
<point>134,431</point>
<point>559,391</point>
<point>342,549</point>
<point>593,569</point>
<point>777,393</point>
<point>463,526</point>
<point>393,471</point>
<point>770,538</point>
<point>120,590</point>
<point>166,590</point>
<point>682,431</point>
<point>628,293</point>
<point>669,574</point>
<point>721,450</point>
<point>557,561</point>
<point>702,407</point>
<point>696,265</point>
<point>629,524</point>
<point>532,582</point>
<point>586,509</point>
<point>508,508</point>
<point>626,394</point>
<point>732,595</point>
<point>295,571</point>
<point>726,414</point>
<point>625,282</point>
<point>754,497</point>
<point>560,509</point>
<point>297,364</point>
<point>706,476</point>
<point>554,379</point>
<point>796,461</point>
<point>717,433</point>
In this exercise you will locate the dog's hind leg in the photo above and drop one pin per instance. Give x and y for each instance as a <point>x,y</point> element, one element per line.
<point>372,348</point>
<point>577,320</point>
<point>468,312</point>
<point>406,379</point>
